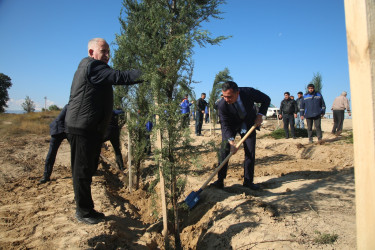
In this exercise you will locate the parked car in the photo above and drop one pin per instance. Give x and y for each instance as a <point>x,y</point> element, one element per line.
<point>272,112</point>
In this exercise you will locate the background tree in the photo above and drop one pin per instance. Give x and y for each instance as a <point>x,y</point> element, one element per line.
<point>215,93</point>
<point>158,37</point>
<point>53,108</point>
<point>317,81</point>
<point>5,84</point>
<point>28,105</point>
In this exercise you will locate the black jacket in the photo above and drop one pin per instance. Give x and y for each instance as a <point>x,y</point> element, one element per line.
<point>288,107</point>
<point>201,105</point>
<point>230,120</point>
<point>57,126</point>
<point>91,96</point>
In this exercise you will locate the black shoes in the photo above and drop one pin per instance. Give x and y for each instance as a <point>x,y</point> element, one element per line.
<point>218,184</point>
<point>44,179</point>
<point>92,218</point>
<point>252,186</point>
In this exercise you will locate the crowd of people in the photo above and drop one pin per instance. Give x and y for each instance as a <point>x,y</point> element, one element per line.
<point>89,119</point>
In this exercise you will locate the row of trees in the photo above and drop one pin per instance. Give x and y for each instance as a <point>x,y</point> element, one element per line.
<point>158,37</point>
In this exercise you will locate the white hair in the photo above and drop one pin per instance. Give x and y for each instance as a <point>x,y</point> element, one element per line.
<point>344,93</point>
<point>93,42</point>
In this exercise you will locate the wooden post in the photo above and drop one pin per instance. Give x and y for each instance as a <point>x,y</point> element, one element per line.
<point>162,183</point>
<point>209,120</point>
<point>129,156</point>
<point>360,31</point>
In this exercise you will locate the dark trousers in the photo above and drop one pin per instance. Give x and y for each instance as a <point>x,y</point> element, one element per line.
<point>317,122</point>
<point>288,120</point>
<point>54,145</point>
<point>249,147</point>
<point>338,120</point>
<point>85,151</point>
<point>206,118</point>
<point>199,123</point>
<point>185,120</point>
<point>114,137</point>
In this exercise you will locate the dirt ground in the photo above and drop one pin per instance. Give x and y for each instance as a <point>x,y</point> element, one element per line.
<point>307,195</point>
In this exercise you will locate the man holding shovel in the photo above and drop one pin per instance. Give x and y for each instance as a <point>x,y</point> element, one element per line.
<point>237,115</point>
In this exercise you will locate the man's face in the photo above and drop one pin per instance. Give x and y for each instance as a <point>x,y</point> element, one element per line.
<point>299,95</point>
<point>203,97</point>
<point>100,51</point>
<point>310,89</point>
<point>286,96</point>
<point>230,96</point>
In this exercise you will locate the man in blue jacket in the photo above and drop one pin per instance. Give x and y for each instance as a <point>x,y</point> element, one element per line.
<point>56,130</point>
<point>185,110</point>
<point>313,109</point>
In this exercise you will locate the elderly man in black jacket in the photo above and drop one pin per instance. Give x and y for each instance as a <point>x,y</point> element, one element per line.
<point>237,115</point>
<point>56,130</point>
<point>87,118</point>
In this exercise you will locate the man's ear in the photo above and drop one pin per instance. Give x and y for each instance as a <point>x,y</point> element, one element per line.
<point>91,52</point>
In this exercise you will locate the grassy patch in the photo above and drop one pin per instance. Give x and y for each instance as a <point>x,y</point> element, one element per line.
<point>29,123</point>
<point>349,137</point>
<point>323,238</point>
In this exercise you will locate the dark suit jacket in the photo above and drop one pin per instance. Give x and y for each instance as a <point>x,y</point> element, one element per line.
<point>57,126</point>
<point>229,118</point>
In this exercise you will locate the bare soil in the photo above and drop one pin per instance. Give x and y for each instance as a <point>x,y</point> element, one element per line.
<point>307,195</point>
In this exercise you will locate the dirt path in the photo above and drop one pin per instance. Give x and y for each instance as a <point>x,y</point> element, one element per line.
<point>307,193</point>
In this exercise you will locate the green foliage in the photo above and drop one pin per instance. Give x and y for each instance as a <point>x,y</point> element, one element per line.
<point>215,93</point>
<point>28,105</point>
<point>158,37</point>
<point>53,108</point>
<point>317,81</point>
<point>324,238</point>
<point>299,132</point>
<point>5,84</point>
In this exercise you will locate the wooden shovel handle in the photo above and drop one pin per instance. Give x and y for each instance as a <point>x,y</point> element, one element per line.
<point>227,158</point>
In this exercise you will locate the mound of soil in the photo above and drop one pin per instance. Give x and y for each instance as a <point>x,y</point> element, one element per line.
<point>306,197</point>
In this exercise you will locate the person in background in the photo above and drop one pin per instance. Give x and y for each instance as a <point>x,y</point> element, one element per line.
<point>201,105</point>
<point>338,107</point>
<point>185,110</point>
<point>288,109</point>
<point>87,117</point>
<point>299,121</point>
<point>237,115</point>
<point>149,126</point>
<point>313,109</point>
<point>113,135</point>
<point>56,130</point>
<point>206,114</point>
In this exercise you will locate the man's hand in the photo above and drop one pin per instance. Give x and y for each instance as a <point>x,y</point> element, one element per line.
<point>280,116</point>
<point>302,117</point>
<point>233,147</point>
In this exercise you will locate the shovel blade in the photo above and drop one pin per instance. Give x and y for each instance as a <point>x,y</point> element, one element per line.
<point>193,199</point>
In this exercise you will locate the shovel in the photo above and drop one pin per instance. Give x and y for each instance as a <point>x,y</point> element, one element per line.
<point>193,197</point>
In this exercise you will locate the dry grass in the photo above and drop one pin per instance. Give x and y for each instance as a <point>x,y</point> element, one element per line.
<point>31,123</point>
